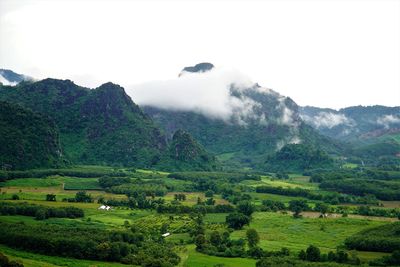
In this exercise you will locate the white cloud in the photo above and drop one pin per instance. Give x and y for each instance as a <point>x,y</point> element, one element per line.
<point>208,93</point>
<point>4,81</point>
<point>387,120</point>
<point>327,120</point>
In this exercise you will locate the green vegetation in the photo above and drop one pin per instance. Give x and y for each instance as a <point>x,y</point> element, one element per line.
<point>185,153</point>
<point>385,238</point>
<point>89,243</point>
<point>28,140</point>
<point>5,262</point>
<point>100,126</point>
<point>282,230</point>
<point>218,212</point>
<point>40,212</point>
<point>325,204</point>
<point>298,157</point>
<point>242,147</point>
<point>384,190</point>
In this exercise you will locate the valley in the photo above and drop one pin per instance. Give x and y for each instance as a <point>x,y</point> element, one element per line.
<point>90,178</point>
<point>274,222</point>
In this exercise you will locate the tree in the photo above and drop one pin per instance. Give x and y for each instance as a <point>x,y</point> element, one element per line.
<point>215,239</point>
<point>50,197</point>
<point>322,207</point>
<point>209,193</point>
<point>256,252</point>
<point>40,214</point>
<point>302,255</point>
<point>313,253</point>
<point>245,207</point>
<point>103,250</point>
<point>82,196</point>
<point>237,220</point>
<point>395,257</point>
<point>199,226</point>
<point>252,237</point>
<point>282,175</point>
<point>225,237</point>
<point>210,202</point>
<point>164,228</point>
<point>297,206</point>
<point>200,241</point>
<point>342,256</point>
<point>15,197</point>
<point>331,256</point>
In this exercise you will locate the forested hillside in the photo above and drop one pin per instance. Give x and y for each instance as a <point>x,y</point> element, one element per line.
<point>263,126</point>
<point>99,126</point>
<point>27,139</point>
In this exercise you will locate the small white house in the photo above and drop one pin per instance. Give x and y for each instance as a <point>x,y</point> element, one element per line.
<point>166,234</point>
<point>104,207</point>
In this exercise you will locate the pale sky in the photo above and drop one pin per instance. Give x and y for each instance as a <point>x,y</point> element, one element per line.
<point>322,53</point>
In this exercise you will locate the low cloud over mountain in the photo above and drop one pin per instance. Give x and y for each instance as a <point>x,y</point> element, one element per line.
<point>216,92</point>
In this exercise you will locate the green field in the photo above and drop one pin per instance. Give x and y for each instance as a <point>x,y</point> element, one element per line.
<point>192,258</point>
<point>276,230</point>
<point>282,230</point>
<point>36,260</point>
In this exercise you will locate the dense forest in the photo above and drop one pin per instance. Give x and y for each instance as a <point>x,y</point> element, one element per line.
<point>28,140</point>
<point>100,126</point>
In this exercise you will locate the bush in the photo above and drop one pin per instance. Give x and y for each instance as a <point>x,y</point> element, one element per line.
<point>237,220</point>
<point>313,253</point>
<point>40,214</point>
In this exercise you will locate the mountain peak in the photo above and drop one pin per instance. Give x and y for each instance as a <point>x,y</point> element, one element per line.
<point>201,67</point>
<point>111,89</point>
<point>186,152</point>
<point>110,85</point>
<point>9,77</point>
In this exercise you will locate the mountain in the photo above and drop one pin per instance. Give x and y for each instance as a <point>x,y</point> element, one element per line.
<point>373,131</point>
<point>185,153</point>
<point>201,67</point>
<point>261,122</point>
<point>298,157</point>
<point>8,77</point>
<point>357,123</point>
<point>97,126</point>
<point>28,139</point>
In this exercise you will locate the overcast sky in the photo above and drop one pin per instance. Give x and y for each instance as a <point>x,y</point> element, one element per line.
<point>321,53</point>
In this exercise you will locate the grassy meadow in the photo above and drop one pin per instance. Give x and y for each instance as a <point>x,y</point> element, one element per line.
<point>276,230</point>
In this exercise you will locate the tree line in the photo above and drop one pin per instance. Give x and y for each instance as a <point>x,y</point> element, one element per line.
<point>38,211</point>
<point>83,242</point>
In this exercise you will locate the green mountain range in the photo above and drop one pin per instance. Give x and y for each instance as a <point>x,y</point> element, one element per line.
<point>358,123</point>
<point>264,131</point>
<point>100,126</point>
<point>248,138</point>
<point>372,131</point>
